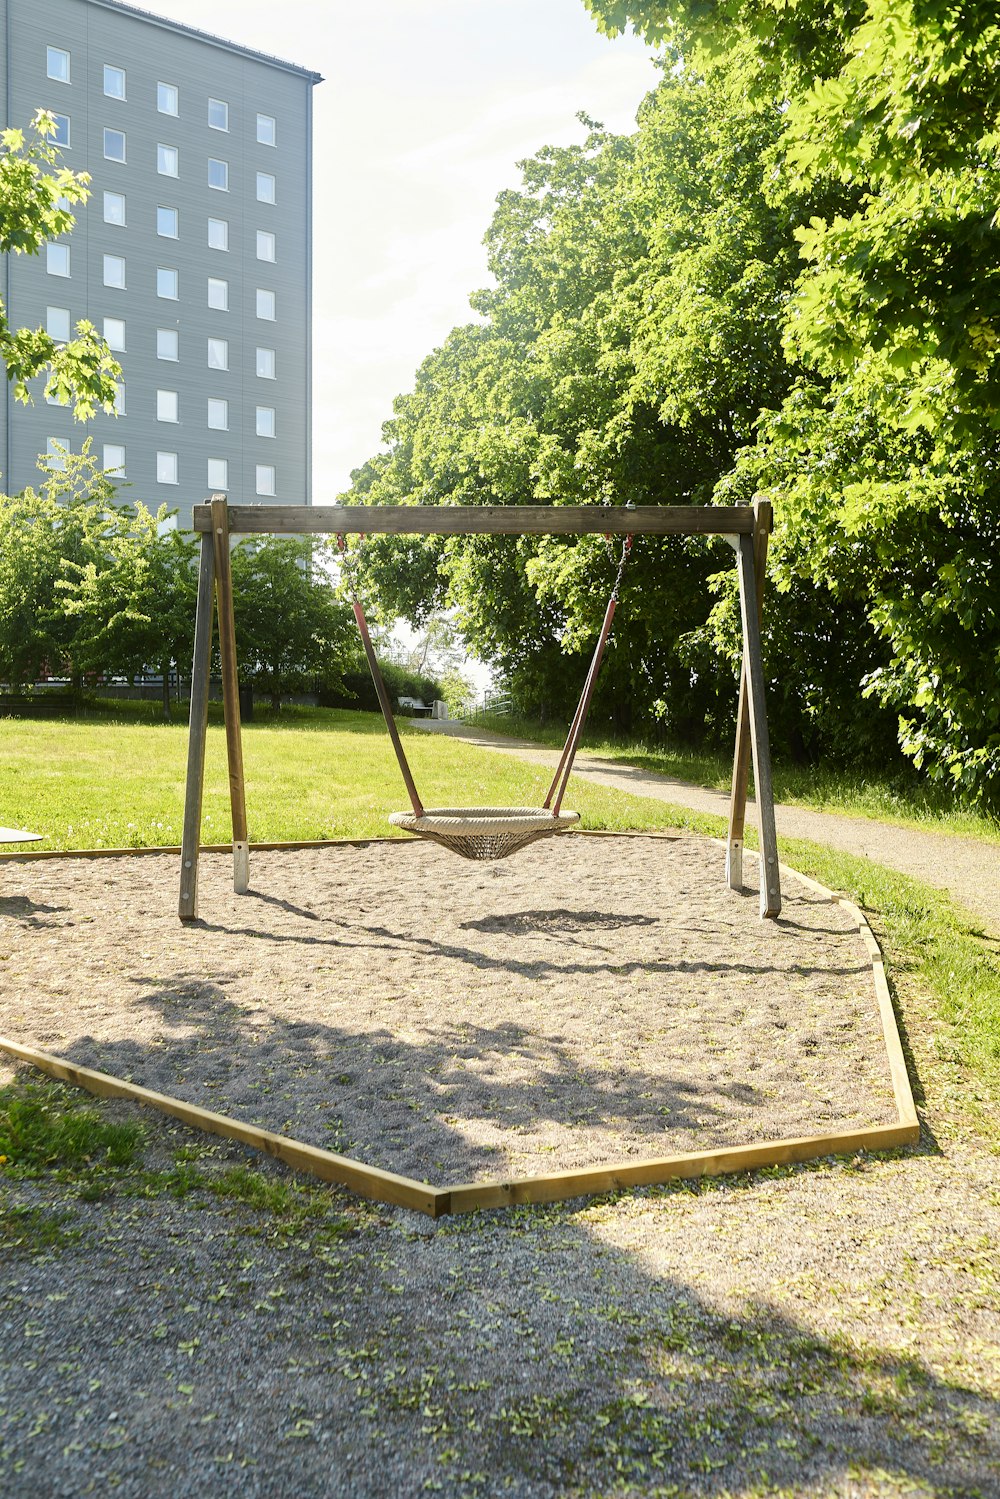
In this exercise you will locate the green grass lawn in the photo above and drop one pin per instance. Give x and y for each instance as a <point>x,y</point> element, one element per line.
<point>117,781</point>
<point>902,800</point>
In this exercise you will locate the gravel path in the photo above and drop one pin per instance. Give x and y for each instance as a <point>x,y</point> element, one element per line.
<point>968,868</point>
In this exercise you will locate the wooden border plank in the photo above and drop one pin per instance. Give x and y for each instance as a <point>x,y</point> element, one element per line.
<point>400,840</point>
<point>367,1181</point>
<point>187,902</point>
<point>231,693</point>
<point>558,1186</point>
<point>890,1031</point>
<point>484,520</point>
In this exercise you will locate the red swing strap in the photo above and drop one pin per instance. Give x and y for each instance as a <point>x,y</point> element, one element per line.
<point>565,766</point>
<point>380,687</point>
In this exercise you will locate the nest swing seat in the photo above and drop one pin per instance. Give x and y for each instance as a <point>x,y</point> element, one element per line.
<point>485,834</point>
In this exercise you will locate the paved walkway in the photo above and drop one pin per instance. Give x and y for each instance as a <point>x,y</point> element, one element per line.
<point>968,868</point>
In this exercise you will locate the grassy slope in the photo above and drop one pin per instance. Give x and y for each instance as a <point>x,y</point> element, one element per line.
<point>90,783</point>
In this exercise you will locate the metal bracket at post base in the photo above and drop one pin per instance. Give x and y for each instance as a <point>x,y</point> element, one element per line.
<point>734,864</point>
<point>241,868</point>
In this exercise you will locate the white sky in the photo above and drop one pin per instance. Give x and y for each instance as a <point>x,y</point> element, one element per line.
<point>426,108</point>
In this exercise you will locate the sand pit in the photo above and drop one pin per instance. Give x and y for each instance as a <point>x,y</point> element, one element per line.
<point>591,1000</point>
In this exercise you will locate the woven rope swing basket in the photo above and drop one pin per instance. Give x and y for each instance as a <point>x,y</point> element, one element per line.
<point>484,832</point>
<point>487,833</point>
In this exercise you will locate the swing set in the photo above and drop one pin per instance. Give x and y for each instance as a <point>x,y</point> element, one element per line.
<point>501,830</point>
<point>475,832</point>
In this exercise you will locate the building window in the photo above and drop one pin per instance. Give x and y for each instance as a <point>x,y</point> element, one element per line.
<point>119,401</point>
<point>218,474</point>
<point>57,64</point>
<point>166,406</point>
<point>114,145</point>
<point>60,137</point>
<point>167,283</point>
<point>266,245</point>
<point>57,323</point>
<point>114,209</point>
<point>167,98</point>
<point>57,259</point>
<point>267,130</point>
<point>218,353</point>
<point>52,399</point>
<point>167,222</point>
<point>167,160</point>
<point>114,82</point>
<point>218,234</point>
<point>218,174</point>
<point>114,271</point>
<point>55,454</point>
<point>166,468</point>
<point>113,460</point>
<point>265,478</point>
<point>265,364</point>
<point>167,343</point>
<point>265,188</point>
<point>114,334</point>
<point>218,114</point>
<point>265,421</point>
<point>218,414</point>
<point>218,293</point>
<point>265,305</point>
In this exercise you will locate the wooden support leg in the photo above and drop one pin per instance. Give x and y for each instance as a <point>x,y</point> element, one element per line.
<point>231,694</point>
<point>187,907</point>
<point>770,881</point>
<point>741,757</point>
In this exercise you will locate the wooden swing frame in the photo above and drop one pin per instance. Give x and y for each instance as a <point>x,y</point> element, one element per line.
<point>745,527</point>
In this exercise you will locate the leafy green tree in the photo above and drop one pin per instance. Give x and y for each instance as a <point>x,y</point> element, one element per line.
<point>882,458</point>
<point>90,587</point>
<point>292,631</point>
<point>43,534</point>
<point>132,600</point>
<point>633,334</point>
<point>34,192</point>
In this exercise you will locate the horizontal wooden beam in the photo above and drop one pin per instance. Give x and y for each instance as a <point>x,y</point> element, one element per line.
<point>483,520</point>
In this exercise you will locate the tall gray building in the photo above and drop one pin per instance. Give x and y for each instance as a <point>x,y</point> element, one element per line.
<point>193,255</point>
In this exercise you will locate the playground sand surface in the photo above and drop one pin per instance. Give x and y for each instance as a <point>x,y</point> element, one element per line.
<point>591,1000</point>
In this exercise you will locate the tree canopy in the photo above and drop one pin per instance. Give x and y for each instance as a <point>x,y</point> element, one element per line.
<point>36,198</point>
<point>784,281</point>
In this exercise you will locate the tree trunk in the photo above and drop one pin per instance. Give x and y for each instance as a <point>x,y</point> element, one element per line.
<point>166,691</point>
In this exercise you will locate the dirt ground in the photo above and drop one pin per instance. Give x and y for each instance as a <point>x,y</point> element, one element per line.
<point>591,1000</point>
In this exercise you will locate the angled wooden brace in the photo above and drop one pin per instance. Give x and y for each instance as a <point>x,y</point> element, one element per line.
<point>231,694</point>
<point>187,908</point>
